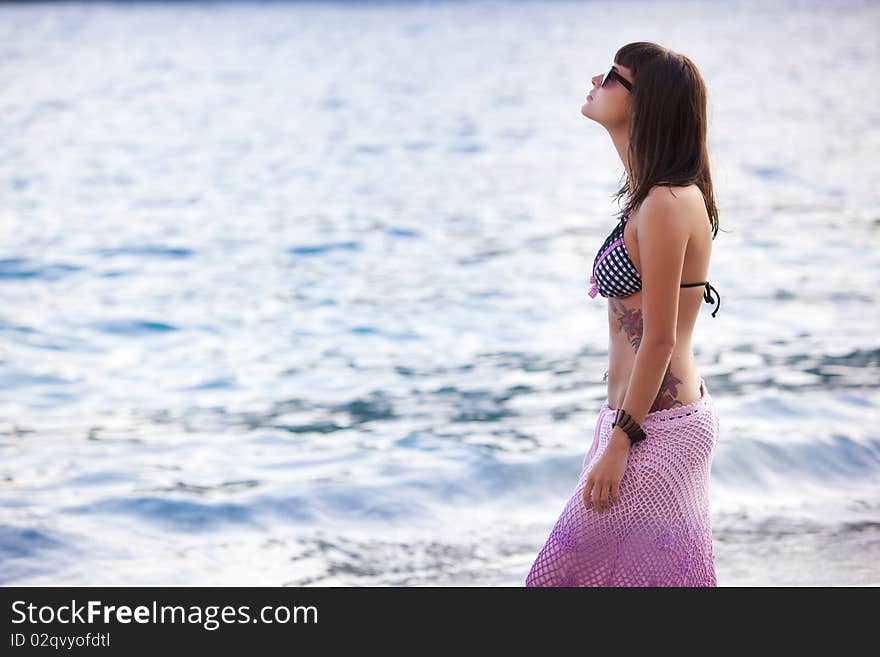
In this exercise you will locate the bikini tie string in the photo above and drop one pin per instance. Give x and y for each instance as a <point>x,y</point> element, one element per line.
<point>593,290</point>
<point>707,296</point>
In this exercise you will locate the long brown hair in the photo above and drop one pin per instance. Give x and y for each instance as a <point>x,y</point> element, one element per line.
<point>667,140</point>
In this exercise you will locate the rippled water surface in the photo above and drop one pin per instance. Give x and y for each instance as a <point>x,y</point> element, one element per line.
<point>295,293</point>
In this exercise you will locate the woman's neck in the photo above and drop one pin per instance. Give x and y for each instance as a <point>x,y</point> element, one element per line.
<point>620,138</point>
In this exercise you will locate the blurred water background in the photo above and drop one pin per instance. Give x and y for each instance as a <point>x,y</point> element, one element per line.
<point>295,293</point>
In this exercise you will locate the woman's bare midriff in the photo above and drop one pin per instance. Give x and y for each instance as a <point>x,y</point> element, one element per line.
<point>681,380</point>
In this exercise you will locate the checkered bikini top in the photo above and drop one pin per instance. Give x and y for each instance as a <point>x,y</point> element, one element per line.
<point>615,275</point>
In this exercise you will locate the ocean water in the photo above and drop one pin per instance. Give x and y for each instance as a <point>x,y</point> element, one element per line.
<point>295,293</point>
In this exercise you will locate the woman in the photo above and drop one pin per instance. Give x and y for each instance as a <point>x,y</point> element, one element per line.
<point>639,515</point>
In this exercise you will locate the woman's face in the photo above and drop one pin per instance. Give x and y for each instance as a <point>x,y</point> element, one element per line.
<point>609,105</point>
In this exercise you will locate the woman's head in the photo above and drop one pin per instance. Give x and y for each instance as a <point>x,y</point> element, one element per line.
<point>662,120</point>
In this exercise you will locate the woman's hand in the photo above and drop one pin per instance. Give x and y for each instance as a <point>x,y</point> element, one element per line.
<point>604,479</point>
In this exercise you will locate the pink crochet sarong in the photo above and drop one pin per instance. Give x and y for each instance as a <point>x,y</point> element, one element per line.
<point>659,533</point>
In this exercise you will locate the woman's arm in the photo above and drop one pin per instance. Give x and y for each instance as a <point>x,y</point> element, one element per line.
<point>663,237</point>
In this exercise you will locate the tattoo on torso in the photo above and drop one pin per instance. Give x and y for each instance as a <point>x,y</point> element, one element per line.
<point>630,322</point>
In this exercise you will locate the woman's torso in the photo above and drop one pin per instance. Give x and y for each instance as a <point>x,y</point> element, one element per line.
<point>681,381</point>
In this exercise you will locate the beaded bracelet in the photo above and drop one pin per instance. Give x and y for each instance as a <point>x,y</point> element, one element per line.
<point>632,428</point>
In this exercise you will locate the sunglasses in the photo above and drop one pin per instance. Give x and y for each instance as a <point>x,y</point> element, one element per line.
<point>614,75</point>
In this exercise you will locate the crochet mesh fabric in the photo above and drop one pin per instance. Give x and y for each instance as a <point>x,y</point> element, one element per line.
<point>659,533</point>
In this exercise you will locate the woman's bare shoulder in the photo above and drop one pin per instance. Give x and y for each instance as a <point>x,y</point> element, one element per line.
<point>685,202</point>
